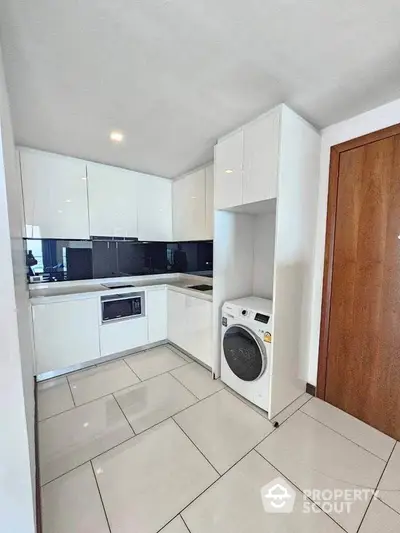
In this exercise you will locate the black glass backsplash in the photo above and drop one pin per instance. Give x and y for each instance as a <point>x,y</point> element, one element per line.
<point>63,260</point>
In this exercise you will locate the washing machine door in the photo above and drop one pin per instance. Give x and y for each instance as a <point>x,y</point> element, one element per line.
<point>244,353</point>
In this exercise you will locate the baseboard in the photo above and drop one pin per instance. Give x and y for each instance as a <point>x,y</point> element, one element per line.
<point>37,468</point>
<point>310,389</point>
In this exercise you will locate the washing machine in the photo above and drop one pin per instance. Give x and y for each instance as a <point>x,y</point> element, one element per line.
<point>246,343</point>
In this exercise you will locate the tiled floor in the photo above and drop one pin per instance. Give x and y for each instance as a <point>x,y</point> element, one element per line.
<point>151,443</point>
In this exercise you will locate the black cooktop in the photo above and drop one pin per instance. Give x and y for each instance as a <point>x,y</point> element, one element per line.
<point>201,287</point>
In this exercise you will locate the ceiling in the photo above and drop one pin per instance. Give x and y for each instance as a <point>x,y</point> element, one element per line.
<point>174,75</point>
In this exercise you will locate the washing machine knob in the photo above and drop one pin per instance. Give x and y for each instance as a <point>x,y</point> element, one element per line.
<point>244,312</point>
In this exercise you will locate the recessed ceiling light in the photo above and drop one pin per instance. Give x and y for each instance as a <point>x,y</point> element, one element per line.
<point>228,171</point>
<point>116,136</point>
<point>68,201</point>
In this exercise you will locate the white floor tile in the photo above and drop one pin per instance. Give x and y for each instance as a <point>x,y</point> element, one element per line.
<point>176,526</point>
<point>389,486</point>
<point>313,457</point>
<point>148,480</point>
<point>99,381</point>
<point>154,362</point>
<point>233,505</point>
<point>198,380</point>
<point>72,438</point>
<point>380,518</point>
<point>223,428</point>
<point>366,436</point>
<point>54,397</point>
<point>292,408</point>
<point>71,504</point>
<point>154,400</point>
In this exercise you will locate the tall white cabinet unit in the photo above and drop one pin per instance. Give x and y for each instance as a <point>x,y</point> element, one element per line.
<point>265,226</point>
<point>112,201</point>
<point>55,195</point>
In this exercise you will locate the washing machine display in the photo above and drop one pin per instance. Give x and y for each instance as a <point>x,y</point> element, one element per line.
<point>244,353</point>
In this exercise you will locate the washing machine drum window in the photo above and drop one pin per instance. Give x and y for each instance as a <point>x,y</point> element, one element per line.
<point>243,353</point>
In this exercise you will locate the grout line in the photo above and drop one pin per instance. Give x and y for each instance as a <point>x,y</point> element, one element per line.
<point>70,390</point>
<point>126,418</point>
<point>88,460</point>
<point>217,480</point>
<point>183,385</point>
<point>376,488</point>
<point>390,507</point>
<point>131,369</point>
<point>344,436</point>
<point>183,520</point>
<point>291,403</point>
<point>299,489</point>
<point>101,498</point>
<point>208,461</point>
<point>294,412</point>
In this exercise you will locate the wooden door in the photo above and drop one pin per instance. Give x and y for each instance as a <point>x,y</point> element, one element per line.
<point>359,368</point>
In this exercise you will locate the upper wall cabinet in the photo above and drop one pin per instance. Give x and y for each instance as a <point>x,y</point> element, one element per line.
<point>189,207</point>
<point>154,208</point>
<point>112,201</point>
<point>55,195</point>
<point>209,202</point>
<point>228,182</point>
<point>248,162</point>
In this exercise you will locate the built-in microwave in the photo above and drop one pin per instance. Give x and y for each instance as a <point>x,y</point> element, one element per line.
<point>122,306</point>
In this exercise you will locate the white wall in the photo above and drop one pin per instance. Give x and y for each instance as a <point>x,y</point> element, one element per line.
<point>17,451</point>
<point>376,119</point>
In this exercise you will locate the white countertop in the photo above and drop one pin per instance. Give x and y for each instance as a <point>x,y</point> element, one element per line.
<point>73,290</point>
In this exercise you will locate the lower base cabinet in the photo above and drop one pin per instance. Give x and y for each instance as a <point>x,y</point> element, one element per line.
<point>156,311</point>
<point>123,335</point>
<point>190,325</point>
<point>65,333</point>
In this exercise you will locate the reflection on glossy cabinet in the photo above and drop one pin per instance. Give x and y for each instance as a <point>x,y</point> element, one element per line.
<point>209,234</point>
<point>156,304</point>
<point>112,201</point>
<point>154,208</point>
<point>228,171</point>
<point>55,195</point>
<point>65,334</point>
<point>189,207</point>
<point>261,158</point>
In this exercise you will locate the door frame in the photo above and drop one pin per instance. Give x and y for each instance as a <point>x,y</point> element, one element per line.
<point>336,151</point>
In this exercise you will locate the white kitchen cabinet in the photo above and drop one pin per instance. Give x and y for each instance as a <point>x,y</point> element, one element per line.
<point>189,207</point>
<point>112,201</point>
<point>209,202</point>
<point>261,158</point>
<point>156,310</point>
<point>65,333</point>
<point>198,330</point>
<point>55,196</point>
<point>123,335</point>
<point>190,325</point>
<point>154,208</point>
<point>228,179</point>
<point>176,308</point>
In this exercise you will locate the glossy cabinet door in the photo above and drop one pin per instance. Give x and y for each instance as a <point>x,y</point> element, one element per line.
<point>261,158</point>
<point>66,333</point>
<point>112,201</point>
<point>123,335</point>
<point>198,331</point>
<point>55,196</point>
<point>176,308</point>
<point>228,171</point>
<point>156,305</point>
<point>154,208</point>
<point>209,202</point>
<point>189,207</point>
<point>190,325</point>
